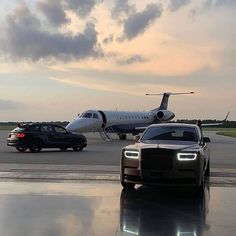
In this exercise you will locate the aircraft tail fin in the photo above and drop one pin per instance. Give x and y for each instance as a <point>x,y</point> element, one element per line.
<point>227,115</point>
<point>216,124</point>
<point>165,98</point>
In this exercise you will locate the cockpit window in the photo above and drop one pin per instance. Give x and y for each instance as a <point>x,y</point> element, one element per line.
<point>171,133</point>
<point>95,116</point>
<point>87,115</point>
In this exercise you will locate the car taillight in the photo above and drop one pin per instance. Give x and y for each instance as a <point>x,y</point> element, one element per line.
<point>20,135</point>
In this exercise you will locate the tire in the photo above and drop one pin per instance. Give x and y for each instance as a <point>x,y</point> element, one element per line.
<point>127,185</point>
<point>36,146</point>
<point>207,173</point>
<point>200,189</point>
<point>21,149</point>
<point>63,148</point>
<point>78,146</point>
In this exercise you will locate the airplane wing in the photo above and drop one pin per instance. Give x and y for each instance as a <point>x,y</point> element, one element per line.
<point>141,129</point>
<point>216,124</point>
<point>211,124</point>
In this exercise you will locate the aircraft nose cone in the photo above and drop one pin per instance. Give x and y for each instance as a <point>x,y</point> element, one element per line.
<point>73,126</point>
<point>80,126</point>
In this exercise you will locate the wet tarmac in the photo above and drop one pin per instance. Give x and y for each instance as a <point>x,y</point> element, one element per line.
<point>99,208</point>
<point>79,194</point>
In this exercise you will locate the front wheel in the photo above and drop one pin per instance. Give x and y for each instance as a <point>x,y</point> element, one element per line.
<point>122,136</point>
<point>207,173</point>
<point>200,189</point>
<point>127,185</point>
<point>78,146</point>
<point>35,146</point>
<point>21,149</point>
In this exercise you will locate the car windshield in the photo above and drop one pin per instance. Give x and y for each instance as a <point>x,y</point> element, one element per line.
<point>170,133</point>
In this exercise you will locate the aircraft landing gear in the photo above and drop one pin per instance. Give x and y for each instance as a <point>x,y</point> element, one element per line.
<point>122,136</point>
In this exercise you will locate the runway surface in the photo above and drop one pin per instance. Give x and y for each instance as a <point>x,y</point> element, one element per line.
<point>100,157</point>
<point>101,161</point>
<point>99,152</point>
<point>78,193</point>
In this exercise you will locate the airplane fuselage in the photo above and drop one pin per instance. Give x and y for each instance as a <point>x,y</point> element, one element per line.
<point>122,122</point>
<point>111,121</point>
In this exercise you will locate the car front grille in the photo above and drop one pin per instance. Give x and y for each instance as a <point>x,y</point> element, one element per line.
<point>157,159</point>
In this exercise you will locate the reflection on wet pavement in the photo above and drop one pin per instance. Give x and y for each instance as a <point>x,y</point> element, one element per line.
<point>88,208</point>
<point>163,211</point>
<point>36,209</point>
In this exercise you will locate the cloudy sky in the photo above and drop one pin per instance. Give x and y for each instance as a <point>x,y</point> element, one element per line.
<point>61,57</point>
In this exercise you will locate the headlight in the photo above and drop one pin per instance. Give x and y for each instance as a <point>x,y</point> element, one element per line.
<point>186,156</point>
<point>131,154</point>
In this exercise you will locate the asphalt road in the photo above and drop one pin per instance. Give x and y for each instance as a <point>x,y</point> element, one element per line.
<point>45,206</point>
<point>100,152</point>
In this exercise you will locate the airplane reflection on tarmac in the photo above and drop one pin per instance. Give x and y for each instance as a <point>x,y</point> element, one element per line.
<point>163,211</point>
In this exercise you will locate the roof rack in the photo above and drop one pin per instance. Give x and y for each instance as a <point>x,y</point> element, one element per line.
<point>22,125</point>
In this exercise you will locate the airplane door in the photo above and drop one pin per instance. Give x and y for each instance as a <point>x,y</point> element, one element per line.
<point>97,123</point>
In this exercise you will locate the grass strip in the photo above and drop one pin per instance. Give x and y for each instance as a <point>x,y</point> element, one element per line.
<point>6,127</point>
<point>227,133</point>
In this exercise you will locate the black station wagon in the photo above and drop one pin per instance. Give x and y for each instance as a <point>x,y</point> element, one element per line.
<point>36,136</point>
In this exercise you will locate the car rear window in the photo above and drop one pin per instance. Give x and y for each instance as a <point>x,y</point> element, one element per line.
<point>18,129</point>
<point>171,133</point>
<point>34,128</point>
<point>27,128</point>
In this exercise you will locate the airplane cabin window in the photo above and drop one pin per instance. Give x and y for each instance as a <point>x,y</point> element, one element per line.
<point>95,116</point>
<point>87,115</point>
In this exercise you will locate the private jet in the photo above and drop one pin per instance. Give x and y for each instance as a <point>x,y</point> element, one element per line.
<point>122,122</point>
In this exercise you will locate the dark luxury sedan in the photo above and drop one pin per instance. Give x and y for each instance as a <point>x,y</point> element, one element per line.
<point>36,136</point>
<point>167,154</point>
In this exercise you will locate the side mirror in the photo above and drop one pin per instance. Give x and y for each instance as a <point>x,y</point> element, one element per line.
<point>206,140</point>
<point>136,138</point>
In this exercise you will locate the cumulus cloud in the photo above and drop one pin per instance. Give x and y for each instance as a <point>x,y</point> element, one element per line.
<point>22,16</point>
<point>24,39</point>
<point>10,105</point>
<point>81,7</point>
<point>219,3</point>
<point>122,7</point>
<point>137,23</point>
<point>176,4</point>
<point>132,59</point>
<point>108,39</point>
<point>213,5</point>
<point>54,12</point>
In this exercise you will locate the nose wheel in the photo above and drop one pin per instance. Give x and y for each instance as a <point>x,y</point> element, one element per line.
<point>122,136</point>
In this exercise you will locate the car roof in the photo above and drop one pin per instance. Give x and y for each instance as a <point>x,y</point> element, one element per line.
<point>174,125</point>
<point>23,125</point>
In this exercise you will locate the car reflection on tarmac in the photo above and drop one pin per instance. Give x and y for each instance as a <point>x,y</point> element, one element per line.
<point>163,211</point>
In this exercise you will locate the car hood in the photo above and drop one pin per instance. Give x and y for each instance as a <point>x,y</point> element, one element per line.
<point>187,146</point>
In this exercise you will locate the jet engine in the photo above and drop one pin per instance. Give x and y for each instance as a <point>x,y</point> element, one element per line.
<point>165,115</point>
